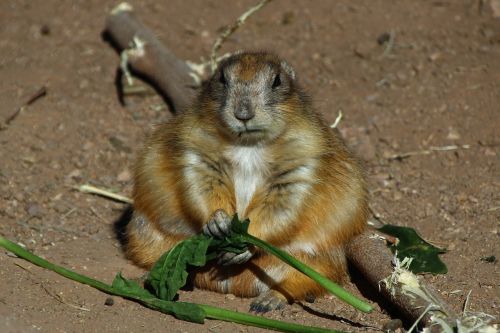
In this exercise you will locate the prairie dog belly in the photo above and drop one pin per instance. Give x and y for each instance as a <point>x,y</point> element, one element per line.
<point>249,168</point>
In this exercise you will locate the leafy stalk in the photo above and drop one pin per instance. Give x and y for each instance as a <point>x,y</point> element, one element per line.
<point>326,283</point>
<point>186,311</point>
<point>170,272</point>
<point>240,231</point>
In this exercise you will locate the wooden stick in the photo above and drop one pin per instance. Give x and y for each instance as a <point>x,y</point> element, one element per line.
<point>149,58</point>
<point>370,256</point>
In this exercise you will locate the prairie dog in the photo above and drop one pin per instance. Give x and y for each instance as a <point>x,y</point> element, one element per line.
<point>250,144</point>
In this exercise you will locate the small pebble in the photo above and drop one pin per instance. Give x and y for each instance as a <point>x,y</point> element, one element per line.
<point>10,254</point>
<point>287,18</point>
<point>119,144</point>
<point>383,38</point>
<point>124,176</point>
<point>76,174</point>
<point>392,325</point>
<point>109,301</point>
<point>34,210</point>
<point>434,56</point>
<point>45,30</point>
<point>453,134</point>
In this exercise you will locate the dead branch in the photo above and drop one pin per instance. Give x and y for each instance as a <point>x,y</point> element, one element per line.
<point>369,256</point>
<point>373,260</point>
<point>149,58</point>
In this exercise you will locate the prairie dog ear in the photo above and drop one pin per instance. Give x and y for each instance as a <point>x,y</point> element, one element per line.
<point>288,69</point>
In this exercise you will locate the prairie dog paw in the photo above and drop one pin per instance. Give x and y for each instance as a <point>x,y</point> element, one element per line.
<point>219,225</point>
<point>229,258</point>
<point>268,301</point>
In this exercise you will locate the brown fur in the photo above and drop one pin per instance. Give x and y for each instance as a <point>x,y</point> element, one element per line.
<point>310,201</point>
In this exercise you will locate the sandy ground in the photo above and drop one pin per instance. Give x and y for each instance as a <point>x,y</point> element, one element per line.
<point>436,85</point>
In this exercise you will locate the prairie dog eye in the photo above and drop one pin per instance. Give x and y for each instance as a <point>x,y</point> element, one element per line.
<point>222,78</point>
<point>277,81</point>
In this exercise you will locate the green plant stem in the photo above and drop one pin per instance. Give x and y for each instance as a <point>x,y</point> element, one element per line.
<point>160,305</point>
<point>329,285</point>
<point>34,259</point>
<point>262,322</point>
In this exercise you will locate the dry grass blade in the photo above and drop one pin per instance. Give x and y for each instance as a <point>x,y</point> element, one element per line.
<point>61,300</point>
<point>401,156</point>
<point>231,29</point>
<point>337,120</point>
<point>104,193</point>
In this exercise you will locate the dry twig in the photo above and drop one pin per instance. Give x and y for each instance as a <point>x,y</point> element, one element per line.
<point>99,215</point>
<point>337,120</point>
<point>104,193</point>
<point>61,300</point>
<point>390,45</point>
<point>431,150</point>
<point>57,297</point>
<point>199,70</point>
<point>231,29</point>
<point>38,94</point>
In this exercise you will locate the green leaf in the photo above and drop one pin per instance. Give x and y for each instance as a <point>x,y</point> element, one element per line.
<point>239,227</point>
<point>189,312</point>
<point>129,287</point>
<point>490,259</point>
<point>169,273</point>
<point>411,245</point>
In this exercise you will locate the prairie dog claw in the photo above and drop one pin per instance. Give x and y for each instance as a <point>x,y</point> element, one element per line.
<point>268,301</point>
<point>219,225</point>
<point>230,258</point>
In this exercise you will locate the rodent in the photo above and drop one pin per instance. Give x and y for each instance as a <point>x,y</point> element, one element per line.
<point>250,144</point>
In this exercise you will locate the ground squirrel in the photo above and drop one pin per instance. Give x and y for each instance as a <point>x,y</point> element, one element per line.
<point>250,144</point>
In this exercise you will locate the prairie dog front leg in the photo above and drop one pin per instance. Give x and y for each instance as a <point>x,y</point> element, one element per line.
<point>219,226</point>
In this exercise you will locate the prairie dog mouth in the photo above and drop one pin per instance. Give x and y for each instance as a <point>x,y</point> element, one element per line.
<point>242,129</point>
<point>250,133</point>
<point>252,130</point>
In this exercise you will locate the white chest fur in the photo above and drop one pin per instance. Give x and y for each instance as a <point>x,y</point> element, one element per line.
<point>249,170</point>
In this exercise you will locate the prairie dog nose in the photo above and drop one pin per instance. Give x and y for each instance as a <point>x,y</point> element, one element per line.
<point>244,111</point>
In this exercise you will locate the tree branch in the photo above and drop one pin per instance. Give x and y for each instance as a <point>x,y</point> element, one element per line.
<point>371,257</point>
<point>149,58</point>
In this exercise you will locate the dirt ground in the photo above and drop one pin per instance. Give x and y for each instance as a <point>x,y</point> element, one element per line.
<point>407,75</point>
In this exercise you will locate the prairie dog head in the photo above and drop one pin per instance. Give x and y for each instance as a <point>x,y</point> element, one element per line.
<point>252,94</point>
